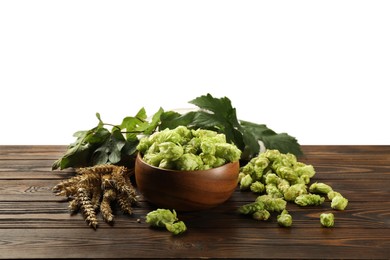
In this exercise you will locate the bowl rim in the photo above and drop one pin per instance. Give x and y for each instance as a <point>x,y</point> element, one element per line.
<point>183,171</point>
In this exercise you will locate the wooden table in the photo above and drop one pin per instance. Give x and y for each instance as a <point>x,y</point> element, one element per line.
<point>34,223</point>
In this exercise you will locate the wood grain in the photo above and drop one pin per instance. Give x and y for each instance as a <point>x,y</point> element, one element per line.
<point>36,224</point>
<point>211,243</point>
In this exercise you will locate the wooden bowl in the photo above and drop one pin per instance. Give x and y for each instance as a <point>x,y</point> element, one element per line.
<point>186,190</point>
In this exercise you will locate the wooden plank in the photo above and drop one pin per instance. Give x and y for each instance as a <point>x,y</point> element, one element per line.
<point>34,223</point>
<point>56,215</point>
<point>313,243</point>
<point>36,175</point>
<point>30,165</point>
<point>23,152</point>
<point>324,172</point>
<point>362,155</point>
<point>351,171</point>
<point>354,150</point>
<point>41,190</point>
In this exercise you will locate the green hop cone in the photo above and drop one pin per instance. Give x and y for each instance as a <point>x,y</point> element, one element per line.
<point>262,214</point>
<point>159,217</point>
<point>257,187</point>
<point>309,200</point>
<point>319,187</point>
<point>250,208</point>
<point>245,182</point>
<point>327,219</point>
<point>176,228</point>
<point>294,191</point>
<point>284,219</point>
<point>339,202</point>
<point>271,203</point>
<point>166,218</point>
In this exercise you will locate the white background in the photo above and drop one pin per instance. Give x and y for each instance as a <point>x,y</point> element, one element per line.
<point>318,70</point>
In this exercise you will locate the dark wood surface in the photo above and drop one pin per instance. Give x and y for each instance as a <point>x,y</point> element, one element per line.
<point>34,223</point>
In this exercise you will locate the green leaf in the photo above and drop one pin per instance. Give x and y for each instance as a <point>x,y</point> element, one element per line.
<point>272,140</point>
<point>78,153</point>
<point>110,150</point>
<point>128,154</point>
<point>138,124</point>
<point>98,145</point>
<point>171,119</point>
<point>218,115</point>
<point>131,124</point>
<point>283,142</point>
<point>148,128</point>
<point>100,156</point>
<point>252,146</point>
<point>130,148</point>
<point>100,134</point>
<point>100,120</point>
<point>141,115</point>
<point>75,157</point>
<point>154,123</point>
<point>218,106</point>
